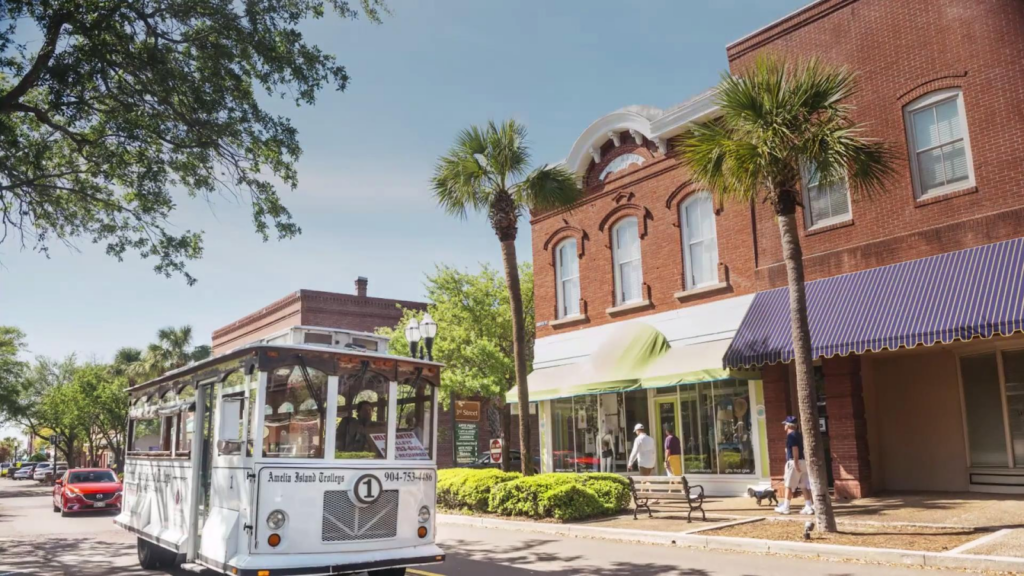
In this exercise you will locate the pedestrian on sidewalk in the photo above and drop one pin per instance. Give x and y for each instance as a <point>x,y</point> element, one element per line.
<point>673,453</point>
<point>796,469</point>
<point>643,452</point>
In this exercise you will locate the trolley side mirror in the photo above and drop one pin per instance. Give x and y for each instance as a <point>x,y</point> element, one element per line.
<point>230,420</point>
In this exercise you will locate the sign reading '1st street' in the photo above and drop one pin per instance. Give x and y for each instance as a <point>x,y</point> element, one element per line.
<point>467,411</point>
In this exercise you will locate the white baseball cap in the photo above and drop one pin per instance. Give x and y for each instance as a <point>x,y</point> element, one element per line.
<point>638,426</point>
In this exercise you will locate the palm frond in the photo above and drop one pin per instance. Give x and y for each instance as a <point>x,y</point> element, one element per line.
<point>777,119</point>
<point>547,188</point>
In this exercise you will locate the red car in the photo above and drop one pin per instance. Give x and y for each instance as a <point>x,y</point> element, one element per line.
<point>87,490</point>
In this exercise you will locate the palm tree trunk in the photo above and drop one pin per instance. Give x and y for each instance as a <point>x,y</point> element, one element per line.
<point>807,395</point>
<point>508,258</point>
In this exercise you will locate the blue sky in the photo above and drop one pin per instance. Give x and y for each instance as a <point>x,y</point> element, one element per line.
<point>363,201</point>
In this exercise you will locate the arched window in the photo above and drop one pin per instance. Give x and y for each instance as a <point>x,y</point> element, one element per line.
<point>700,243</point>
<point>940,147</point>
<point>621,163</point>
<point>567,274</point>
<point>626,261</point>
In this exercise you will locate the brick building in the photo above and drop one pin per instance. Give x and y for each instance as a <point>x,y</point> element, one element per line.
<point>355,312</point>
<point>658,304</point>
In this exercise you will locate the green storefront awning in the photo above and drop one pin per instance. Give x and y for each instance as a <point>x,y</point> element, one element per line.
<point>692,364</point>
<point>635,357</point>
<point>617,365</point>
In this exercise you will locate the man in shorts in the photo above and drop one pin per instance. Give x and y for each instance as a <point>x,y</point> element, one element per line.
<point>796,469</point>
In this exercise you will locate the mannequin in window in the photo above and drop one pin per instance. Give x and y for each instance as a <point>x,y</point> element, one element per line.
<point>352,435</point>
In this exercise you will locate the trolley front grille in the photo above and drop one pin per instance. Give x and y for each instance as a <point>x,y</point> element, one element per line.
<point>343,521</point>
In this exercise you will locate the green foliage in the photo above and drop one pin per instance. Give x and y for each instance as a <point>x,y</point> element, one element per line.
<point>778,118</point>
<point>469,489</point>
<point>113,112</point>
<point>487,168</point>
<point>561,496</point>
<point>12,373</point>
<point>475,336</point>
<point>38,457</point>
<point>354,455</point>
<point>172,349</point>
<point>572,502</point>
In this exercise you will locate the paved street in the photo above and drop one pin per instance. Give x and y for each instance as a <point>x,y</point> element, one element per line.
<point>34,540</point>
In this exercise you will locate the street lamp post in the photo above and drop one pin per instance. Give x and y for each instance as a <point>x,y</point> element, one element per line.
<point>425,330</point>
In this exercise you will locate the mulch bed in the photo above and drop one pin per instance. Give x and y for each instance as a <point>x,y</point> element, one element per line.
<point>919,538</point>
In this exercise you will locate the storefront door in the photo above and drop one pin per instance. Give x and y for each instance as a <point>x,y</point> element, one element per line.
<point>667,410</point>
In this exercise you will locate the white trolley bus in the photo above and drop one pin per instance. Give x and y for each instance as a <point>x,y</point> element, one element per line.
<point>285,459</point>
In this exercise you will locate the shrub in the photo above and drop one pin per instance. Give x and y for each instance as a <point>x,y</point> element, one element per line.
<point>571,502</point>
<point>535,496</point>
<point>461,488</point>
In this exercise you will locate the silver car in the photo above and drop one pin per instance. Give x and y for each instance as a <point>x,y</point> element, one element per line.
<point>41,470</point>
<point>25,472</point>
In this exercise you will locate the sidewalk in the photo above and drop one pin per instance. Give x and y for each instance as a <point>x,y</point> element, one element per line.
<point>973,544</point>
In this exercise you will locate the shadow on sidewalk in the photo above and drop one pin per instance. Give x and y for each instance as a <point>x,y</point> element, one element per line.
<point>477,557</point>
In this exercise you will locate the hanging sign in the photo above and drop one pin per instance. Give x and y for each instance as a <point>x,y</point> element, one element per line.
<point>467,411</point>
<point>407,446</point>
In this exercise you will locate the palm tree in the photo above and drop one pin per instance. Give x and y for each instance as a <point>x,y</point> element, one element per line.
<point>776,121</point>
<point>124,359</point>
<point>487,170</point>
<point>173,349</point>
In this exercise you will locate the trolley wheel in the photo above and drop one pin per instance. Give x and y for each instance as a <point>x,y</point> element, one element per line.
<point>168,558</point>
<point>388,572</point>
<point>149,554</point>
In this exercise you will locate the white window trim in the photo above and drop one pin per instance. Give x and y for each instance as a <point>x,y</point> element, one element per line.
<point>809,223</point>
<point>617,264</point>
<point>560,282</point>
<point>687,279</point>
<point>926,101</point>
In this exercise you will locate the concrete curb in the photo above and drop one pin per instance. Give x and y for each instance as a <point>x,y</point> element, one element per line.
<point>951,559</point>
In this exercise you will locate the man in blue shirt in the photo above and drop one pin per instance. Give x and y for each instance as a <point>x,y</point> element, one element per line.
<point>796,468</point>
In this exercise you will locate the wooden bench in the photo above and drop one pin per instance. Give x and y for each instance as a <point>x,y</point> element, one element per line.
<point>664,488</point>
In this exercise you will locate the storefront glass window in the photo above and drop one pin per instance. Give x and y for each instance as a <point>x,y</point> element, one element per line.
<point>588,457</point>
<point>1013,369</point>
<point>733,427</point>
<point>986,432</point>
<point>562,432</point>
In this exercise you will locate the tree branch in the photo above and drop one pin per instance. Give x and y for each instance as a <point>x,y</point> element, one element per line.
<point>31,78</point>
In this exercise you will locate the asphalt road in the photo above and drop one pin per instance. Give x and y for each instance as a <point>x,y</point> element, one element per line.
<point>35,540</point>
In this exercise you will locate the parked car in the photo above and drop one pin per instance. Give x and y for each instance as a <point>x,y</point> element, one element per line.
<point>39,474</point>
<point>86,490</point>
<point>515,458</point>
<point>25,472</point>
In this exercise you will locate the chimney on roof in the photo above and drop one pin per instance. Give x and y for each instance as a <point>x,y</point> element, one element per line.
<point>361,283</point>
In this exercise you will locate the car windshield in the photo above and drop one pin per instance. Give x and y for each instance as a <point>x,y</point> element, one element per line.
<point>89,477</point>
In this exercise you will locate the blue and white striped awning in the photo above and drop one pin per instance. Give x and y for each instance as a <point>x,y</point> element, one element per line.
<point>973,293</point>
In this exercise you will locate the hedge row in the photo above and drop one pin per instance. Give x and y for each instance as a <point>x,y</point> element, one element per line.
<point>559,496</point>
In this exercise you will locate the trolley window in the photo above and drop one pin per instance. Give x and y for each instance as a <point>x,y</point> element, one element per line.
<point>295,413</point>
<point>362,424</point>
<point>415,426</point>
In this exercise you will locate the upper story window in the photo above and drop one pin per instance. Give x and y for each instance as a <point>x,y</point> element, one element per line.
<point>567,272</point>
<point>620,163</point>
<point>626,261</point>
<point>824,205</point>
<point>940,148</point>
<point>700,241</point>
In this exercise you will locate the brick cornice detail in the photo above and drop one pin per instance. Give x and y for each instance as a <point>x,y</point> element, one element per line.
<point>784,27</point>
<point>271,309</point>
<point>938,82</point>
<point>567,231</point>
<point>631,209</point>
<point>665,164</point>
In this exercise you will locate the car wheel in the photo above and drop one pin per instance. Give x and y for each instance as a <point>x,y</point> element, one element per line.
<point>148,555</point>
<point>56,508</point>
<point>63,508</point>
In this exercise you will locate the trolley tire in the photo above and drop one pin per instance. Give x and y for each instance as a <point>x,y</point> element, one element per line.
<point>388,572</point>
<point>149,556</point>
<point>167,558</point>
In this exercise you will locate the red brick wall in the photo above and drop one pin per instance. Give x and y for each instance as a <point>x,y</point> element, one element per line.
<point>445,454</point>
<point>651,192</point>
<point>902,50</point>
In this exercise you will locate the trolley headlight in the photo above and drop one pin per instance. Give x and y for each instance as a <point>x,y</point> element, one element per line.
<point>276,519</point>
<point>424,516</point>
